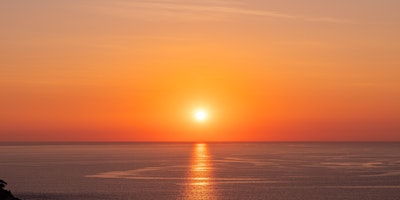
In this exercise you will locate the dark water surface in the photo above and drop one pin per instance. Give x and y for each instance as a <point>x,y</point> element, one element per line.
<point>275,171</point>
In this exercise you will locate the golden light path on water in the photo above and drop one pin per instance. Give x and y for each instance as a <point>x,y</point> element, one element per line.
<point>199,178</point>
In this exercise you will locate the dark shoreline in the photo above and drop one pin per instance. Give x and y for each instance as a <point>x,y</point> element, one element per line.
<point>4,193</point>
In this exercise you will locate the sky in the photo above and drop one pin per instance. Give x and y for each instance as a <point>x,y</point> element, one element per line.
<point>136,70</point>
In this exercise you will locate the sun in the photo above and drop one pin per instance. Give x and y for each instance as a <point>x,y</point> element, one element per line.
<point>200,115</point>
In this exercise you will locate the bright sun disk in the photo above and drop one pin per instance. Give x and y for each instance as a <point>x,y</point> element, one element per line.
<point>200,115</point>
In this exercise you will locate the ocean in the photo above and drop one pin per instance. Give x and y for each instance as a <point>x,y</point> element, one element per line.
<point>196,171</point>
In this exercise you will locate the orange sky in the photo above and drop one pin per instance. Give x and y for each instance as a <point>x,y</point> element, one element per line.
<point>135,70</point>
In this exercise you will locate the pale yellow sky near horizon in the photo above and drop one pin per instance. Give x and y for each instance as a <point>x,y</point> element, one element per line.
<point>134,70</point>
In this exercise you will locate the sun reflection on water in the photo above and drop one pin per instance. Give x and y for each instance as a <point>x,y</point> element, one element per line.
<point>199,179</point>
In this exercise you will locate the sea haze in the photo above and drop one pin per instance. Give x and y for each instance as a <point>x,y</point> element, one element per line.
<point>274,171</point>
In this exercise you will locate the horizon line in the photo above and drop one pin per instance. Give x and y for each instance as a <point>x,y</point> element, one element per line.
<point>187,142</point>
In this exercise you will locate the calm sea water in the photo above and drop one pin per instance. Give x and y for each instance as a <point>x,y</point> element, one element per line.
<point>275,171</point>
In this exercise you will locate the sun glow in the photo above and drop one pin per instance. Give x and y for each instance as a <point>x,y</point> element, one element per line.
<point>200,115</point>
